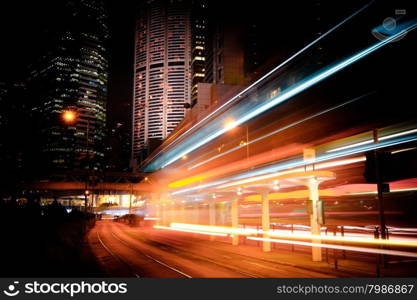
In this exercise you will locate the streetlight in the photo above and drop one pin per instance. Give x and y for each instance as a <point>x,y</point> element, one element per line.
<point>69,116</point>
<point>231,124</point>
<point>86,194</point>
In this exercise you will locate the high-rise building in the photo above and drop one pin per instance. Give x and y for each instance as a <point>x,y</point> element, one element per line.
<point>199,23</point>
<point>71,74</point>
<point>169,62</point>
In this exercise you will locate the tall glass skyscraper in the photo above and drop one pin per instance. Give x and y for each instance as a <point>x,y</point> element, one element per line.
<point>169,55</point>
<point>71,75</point>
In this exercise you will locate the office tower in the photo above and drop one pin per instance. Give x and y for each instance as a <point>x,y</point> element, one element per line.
<point>162,74</point>
<point>170,60</point>
<point>199,23</point>
<point>71,75</point>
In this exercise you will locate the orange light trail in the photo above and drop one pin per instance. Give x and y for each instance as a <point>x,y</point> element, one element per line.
<point>189,231</point>
<point>300,236</point>
<point>186,181</point>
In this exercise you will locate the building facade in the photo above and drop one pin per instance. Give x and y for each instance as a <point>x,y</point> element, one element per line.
<point>71,75</point>
<point>169,62</point>
<point>199,40</point>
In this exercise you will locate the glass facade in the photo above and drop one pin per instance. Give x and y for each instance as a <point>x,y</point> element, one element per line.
<point>71,74</point>
<point>162,78</point>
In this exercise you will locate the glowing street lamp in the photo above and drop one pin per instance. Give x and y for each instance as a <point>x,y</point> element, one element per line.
<point>68,116</point>
<point>230,124</point>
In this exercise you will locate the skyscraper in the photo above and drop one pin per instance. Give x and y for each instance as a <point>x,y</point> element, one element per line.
<point>71,74</point>
<point>162,71</point>
<point>199,29</point>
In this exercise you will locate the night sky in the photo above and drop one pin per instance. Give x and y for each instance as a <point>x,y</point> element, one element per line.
<point>288,25</point>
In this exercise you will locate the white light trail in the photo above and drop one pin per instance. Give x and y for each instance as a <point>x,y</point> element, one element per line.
<point>289,93</point>
<point>190,231</point>
<point>277,131</point>
<point>348,248</point>
<point>297,163</point>
<point>239,95</point>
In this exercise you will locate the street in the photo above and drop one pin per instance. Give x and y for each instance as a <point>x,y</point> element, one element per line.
<point>125,251</point>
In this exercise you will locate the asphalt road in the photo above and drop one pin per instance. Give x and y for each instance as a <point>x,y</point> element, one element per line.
<point>125,251</point>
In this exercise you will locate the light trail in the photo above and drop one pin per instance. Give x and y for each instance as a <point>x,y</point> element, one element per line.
<point>214,229</point>
<point>316,167</point>
<point>348,248</point>
<point>291,92</point>
<point>298,163</point>
<point>351,146</point>
<point>189,231</point>
<point>375,192</point>
<point>370,141</point>
<point>279,130</point>
<point>254,84</point>
<point>295,235</point>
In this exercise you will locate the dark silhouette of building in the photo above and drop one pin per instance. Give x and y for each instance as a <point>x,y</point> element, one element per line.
<point>70,74</point>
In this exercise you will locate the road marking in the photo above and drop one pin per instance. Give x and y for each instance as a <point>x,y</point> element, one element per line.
<point>115,255</point>
<point>150,257</point>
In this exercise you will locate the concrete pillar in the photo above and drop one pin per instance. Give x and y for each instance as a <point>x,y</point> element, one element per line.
<point>222,214</point>
<point>235,219</point>
<point>266,245</point>
<point>313,187</point>
<point>164,214</point>
<point>212,216</point>
<point>174,212</point>
<point>157,213</point>
<point>157,208</point>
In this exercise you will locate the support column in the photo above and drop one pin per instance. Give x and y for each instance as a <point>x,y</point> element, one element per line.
<point>157,208</point>
<point>212,216</point>
<point>313,187</point>
<point>164,214</point>
<point>235,219</point>
<point>157,213</point>
<point>266,245</point>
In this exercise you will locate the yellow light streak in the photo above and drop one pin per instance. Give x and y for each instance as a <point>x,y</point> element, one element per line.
<point>288,195</point>
<point>186,181</point>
